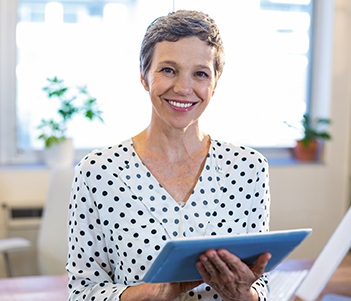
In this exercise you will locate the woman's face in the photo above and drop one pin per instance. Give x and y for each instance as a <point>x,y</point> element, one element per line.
<point>181,81</point>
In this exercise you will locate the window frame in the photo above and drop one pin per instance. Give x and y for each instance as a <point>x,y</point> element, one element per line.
<point>319,87</point>
<point>8,20</point>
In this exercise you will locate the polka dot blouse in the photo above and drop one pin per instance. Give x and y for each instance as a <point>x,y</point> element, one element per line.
<point>120,217</point>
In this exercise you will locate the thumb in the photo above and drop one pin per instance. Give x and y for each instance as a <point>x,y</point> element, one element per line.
<point>261,263</point>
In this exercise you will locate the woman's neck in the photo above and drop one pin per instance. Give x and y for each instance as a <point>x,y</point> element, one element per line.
<point>171,145</point>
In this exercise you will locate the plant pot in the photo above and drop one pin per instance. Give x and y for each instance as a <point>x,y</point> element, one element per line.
<point>59,155</point>
<point>308,152</point>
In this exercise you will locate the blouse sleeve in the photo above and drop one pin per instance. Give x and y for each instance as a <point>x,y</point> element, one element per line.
<point>90,272</point>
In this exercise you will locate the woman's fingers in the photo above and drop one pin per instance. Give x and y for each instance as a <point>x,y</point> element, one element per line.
<point>260,265</point>
<point>228,275</point>
<point>223,266</point>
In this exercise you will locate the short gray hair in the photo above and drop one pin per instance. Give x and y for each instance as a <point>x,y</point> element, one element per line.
<point>177,25</point>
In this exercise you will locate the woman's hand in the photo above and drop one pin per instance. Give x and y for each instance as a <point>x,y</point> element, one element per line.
<point>229,276</point>
<point>222,270</point>
<point>157,291</point>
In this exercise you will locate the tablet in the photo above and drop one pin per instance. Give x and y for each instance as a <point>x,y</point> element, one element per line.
<point>176,261</point>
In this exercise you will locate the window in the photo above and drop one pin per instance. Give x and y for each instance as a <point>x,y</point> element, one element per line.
<point>266,80</point>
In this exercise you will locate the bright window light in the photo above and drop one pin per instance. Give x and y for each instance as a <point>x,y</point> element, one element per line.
<point>53,13</point>
<point>265,81</point>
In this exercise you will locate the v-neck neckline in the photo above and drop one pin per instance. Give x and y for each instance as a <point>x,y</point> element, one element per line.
<point>181,204</point>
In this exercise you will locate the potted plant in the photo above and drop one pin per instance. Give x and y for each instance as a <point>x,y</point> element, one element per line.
<point>313,133</point>
<point>53,131</point>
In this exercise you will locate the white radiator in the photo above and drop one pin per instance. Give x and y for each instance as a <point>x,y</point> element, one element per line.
<point>21,220</point>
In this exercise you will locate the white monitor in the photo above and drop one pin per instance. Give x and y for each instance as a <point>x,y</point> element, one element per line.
<point>327,261</point>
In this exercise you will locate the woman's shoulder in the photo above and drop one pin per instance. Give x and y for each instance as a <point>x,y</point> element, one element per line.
<point>111,154</point>
<point>225,149</point>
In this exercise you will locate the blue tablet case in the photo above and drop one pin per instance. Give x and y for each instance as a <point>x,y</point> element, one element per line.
<point>176,261</point>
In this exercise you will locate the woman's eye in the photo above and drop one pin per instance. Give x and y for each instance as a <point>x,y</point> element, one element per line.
<point>167,70</point>
<point>201,74</point>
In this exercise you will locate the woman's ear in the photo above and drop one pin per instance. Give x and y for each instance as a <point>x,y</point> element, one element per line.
<point>144,82</point>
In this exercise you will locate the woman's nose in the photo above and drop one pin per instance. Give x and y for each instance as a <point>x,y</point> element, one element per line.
<point>183,84</point>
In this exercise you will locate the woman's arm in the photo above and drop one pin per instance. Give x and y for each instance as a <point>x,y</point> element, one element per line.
<point>158,291</point>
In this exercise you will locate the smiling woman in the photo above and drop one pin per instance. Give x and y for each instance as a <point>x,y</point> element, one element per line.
<point>170,180</point>
<point>267,61</point>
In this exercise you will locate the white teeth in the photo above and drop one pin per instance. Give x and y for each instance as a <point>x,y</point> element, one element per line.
<point>180,104</point>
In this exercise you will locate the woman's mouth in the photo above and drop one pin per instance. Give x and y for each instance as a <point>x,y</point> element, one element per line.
<point>181,105</point>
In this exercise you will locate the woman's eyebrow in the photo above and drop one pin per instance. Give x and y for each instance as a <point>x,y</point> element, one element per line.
<point>201,66</point>
<point>167,62</point>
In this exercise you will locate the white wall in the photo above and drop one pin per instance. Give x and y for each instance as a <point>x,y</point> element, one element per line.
<point>317,196</point>
<point>306,195</point>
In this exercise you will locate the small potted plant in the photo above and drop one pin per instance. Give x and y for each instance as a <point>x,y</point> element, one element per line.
<point>53,131</point>
<point>313,133</point>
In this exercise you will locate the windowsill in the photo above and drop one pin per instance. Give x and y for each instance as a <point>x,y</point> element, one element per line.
<point>23,166</point>
<point>291,162</point>
<point>275,156</point>
<point>282,156</point>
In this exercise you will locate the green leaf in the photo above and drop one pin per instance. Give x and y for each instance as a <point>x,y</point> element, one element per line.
<point>70,104</point>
